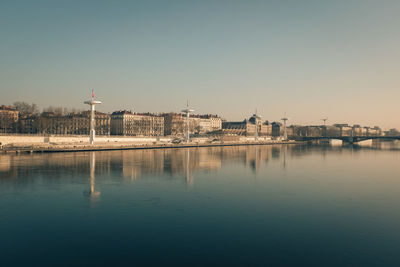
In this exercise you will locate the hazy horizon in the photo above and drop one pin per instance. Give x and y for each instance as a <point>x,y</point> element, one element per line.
<point>337,59</point>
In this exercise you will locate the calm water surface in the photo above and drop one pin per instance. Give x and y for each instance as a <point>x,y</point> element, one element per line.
<point>256,205</point>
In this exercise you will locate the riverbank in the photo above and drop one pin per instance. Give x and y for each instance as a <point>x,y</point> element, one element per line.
<point>52,148</point>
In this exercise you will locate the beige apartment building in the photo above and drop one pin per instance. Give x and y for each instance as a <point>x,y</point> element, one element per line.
<point>136,124</point>
<point>175,124</point>
<point>71,124</point>
<point>8,119</point>
<point>249,126</point>
<point>205,123</point>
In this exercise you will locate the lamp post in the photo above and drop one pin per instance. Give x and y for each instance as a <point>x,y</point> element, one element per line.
<point>187,111</point>
<point>92,104</point>
<point>285,137</point>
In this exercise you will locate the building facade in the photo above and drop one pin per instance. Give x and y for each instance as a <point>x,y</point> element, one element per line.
<point>208,123</point>
<point>249,127</point>
<point>8,119</point>
<point>71,124</point>
<point>175,124</point>
<point>136,124</point>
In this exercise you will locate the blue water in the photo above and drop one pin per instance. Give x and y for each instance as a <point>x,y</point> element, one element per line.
<point>246,206</point>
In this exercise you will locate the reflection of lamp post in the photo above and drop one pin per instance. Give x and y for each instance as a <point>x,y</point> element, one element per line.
<point>284,157</point>
<point>92,104</point>
<point>92,193</point>
<point>189,180</point>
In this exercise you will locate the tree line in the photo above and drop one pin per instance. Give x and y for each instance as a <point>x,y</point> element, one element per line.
<point>27,109</point>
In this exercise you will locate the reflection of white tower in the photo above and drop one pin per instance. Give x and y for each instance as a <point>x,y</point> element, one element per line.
<point>256,118</point>
<point>285,138</point>
<point>187,111</point>
<point>92,193</point>
<point>284,157</point>
<point>92,104</point>
<point>189,180</point>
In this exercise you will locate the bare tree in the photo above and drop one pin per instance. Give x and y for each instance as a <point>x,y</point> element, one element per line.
<point>25,108</point>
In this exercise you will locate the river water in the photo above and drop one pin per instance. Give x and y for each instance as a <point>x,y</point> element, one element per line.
<point>286,205</point>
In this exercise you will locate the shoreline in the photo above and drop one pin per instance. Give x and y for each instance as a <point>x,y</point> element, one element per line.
<point>60,148</point>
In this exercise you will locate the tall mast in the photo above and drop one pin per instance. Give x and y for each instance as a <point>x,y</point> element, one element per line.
<point>187,111</point>
<point>285,137</point>
<point>92,104</point>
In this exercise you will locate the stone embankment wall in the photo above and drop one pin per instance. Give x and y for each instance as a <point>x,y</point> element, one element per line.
<point>37,139</point>
<point>68,142</point>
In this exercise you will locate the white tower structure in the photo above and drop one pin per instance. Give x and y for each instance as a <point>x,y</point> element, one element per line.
<point>92,104</point>
<point>285,138</point>
<point>324,120</point>
<point>187,111</point>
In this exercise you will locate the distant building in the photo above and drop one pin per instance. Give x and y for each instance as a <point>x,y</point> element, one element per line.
<point>359,131</point>
<point>175,123</point>
<point>234,127</point>
<point>28,124</point>
<point>248,127</point>
<point>102,122</point>
<point>344,129</point>
<point>71,124</point>
<point>295,131</point>
<point>392,132</point>
<point>136,124</point>
<point>205,123</point>
<point>8,119</point>
<point>375,131</point>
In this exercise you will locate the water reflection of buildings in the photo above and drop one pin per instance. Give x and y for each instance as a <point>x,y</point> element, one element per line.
<point>172,162</point>
<point>134,164</point>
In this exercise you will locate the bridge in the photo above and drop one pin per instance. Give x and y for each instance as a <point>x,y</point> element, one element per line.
<point>346,139</point>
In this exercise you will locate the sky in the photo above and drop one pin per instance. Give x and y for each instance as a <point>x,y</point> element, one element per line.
<point>309,59</point>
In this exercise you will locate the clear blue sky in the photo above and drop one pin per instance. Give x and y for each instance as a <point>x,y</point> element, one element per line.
<point>311,59</point>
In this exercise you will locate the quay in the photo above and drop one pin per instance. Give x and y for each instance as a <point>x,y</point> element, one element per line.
<point>52,148</point>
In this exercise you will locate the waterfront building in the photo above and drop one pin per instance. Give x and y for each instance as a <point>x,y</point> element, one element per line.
<point>136,124</point>
<point>205,123</point>
<point>175,124</point>
<point>248,127</point>
<point>276,129</point>
<point>392,132</point>
<point>359,131</point>
<point>8,119</point>
<point>28,124</point>
<point>344,129</point>
<point>102,122</point>
<point>71,124</point>
<point>314,131</point>
<point>295,131</point>
<point>375,131</point>
<point>234,127</point>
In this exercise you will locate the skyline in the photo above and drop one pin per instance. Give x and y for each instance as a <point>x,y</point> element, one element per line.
<point>311,60</point>
<point>63,111</point>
